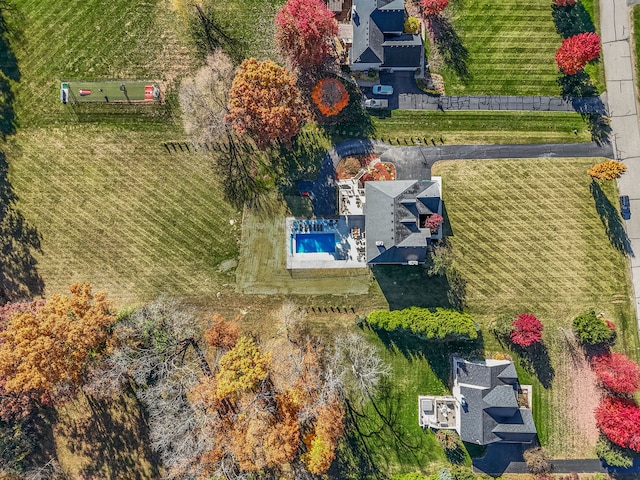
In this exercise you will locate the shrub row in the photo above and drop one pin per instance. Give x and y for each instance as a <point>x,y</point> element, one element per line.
<point>429,323</point>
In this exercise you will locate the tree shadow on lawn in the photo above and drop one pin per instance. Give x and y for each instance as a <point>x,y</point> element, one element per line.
<point>9,71</point>
<point>19,279</point>
<point>449,45</point>
<point>437,353</point>
<point>536,360</point>
<point>611,220</point>
<point>406,286</point>
<point>377,438</point>
<point>571,20</point>
<point>301,162</point>
<point>112,438</point>
<point>209,35</point>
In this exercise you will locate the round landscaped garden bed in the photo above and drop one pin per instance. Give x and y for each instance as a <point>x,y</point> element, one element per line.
<point>350,166</point>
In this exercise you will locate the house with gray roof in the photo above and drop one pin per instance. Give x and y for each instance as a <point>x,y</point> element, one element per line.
<point>396,213</point>
<point>488,404</point>
<point>378,39</point>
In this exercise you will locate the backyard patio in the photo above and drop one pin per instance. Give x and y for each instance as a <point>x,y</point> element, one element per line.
<point>326,242</point>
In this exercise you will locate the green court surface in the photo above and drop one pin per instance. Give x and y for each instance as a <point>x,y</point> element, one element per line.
<point>110,92</point>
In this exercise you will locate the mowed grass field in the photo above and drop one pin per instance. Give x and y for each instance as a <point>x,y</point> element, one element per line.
<point>92,40</point>
<point>511,48</point>
<point>115,209</point>
<point>528,237</point>
<point>481,127</point>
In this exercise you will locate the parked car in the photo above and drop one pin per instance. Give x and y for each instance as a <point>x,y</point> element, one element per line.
<point>625,207</point>
<point>376,103</point>
<point>383,90</point>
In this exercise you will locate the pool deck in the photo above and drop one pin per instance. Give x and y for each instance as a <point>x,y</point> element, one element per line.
<point>350,246</point>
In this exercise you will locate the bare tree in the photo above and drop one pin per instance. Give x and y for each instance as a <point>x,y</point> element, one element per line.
<point>358,366</point>
<point>158,347</point>
<point>203,98</point>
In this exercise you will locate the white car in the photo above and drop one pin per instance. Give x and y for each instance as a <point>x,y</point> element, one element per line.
<point>376,103</point>
<point>383,90</point>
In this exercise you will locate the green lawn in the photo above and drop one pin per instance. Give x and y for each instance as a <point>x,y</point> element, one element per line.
<point>392,433</point>
<point>523,242</point>
<point>511,47</point>
<point>480,127</point>
<point>636,39</point>
<point>115,209</point>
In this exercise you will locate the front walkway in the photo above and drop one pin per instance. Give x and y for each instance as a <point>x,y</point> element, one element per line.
<point>621,95</point>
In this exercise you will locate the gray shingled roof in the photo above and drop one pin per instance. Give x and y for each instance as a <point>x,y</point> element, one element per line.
<point>392,210</point>
<point>378,35</point>
<point>491,413</point>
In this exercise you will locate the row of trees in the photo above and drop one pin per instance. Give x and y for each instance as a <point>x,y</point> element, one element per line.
<point>580,46</point>
<point>220,402</point>
<point>618,415</point>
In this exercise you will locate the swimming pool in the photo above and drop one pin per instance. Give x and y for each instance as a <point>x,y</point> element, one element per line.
<point>315,242</point>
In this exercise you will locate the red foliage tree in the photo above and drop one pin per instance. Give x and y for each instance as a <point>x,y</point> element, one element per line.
<point>433,222</point>
<point>433,7</point>
<point>619,420</point>
<point>575,52</point>
<point>527,330</point>
<point>617,372</point>
<point>564,3</point>
<point>304,29</point>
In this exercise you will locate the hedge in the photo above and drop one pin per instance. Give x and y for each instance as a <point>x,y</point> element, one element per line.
<point>430,323</point>
<point>592,330</point>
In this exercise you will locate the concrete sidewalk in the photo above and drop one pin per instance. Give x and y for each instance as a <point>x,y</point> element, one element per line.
<point>621,96</point>
<point>416,101</point>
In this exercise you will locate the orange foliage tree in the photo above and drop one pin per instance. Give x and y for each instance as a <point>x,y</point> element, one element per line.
<point>264,103</point>
<point>321,444</point>
<point>258,402</point>
<point>607,170</point>
<point>17,405</point>
<point>330,96</point>
<point>47,350</point>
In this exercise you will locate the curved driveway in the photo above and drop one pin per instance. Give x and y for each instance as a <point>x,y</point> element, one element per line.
<point>416,162</point>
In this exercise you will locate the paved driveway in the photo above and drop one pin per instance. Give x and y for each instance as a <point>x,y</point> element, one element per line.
<point>416,162</point>
<point>402,82</point>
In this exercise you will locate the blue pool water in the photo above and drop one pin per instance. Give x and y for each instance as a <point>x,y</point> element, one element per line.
<point>315,242</point>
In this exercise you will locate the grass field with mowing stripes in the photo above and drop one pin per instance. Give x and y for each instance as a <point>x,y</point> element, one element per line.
<point>525,242</point>
<point>91,40</point>
<point>114,209</point>
<point>511,48</point>
<point>482,127</point>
